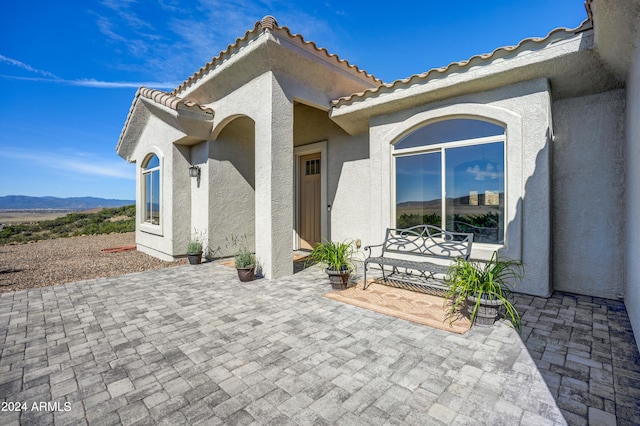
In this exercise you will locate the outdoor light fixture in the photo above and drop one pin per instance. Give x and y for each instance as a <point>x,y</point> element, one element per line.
<point>194,171</point>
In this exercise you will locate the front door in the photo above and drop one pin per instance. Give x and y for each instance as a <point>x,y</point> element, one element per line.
<point>309,230</point>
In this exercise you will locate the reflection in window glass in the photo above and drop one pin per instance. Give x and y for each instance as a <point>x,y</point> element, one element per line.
<point>418,190</point>
<point>475,191</point>
<point>473,179</point>
<point>151,190</point>
<point>448,131</point>
<point>153,162</point>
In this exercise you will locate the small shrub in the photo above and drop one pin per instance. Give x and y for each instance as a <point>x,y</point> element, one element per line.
<point>245,259</point>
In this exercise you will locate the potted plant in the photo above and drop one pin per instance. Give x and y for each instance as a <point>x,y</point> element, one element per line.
<point>485,287</point>
<point>337,259</point>
<point>194,252</point>
<point>194,248</point>
<point>245,265</point>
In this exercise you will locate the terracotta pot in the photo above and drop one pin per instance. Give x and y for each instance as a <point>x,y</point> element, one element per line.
<point>487,311</point>
<point>195,259</point>
<point>246,274</point>
<point>338,279</point>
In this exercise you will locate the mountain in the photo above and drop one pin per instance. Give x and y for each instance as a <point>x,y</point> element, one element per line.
<point>23,202</point>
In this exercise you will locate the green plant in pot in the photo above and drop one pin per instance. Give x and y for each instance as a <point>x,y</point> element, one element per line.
<point>337,259</point>
<point>194,248</point>
<point>485,287</point>
<point>245,265</point>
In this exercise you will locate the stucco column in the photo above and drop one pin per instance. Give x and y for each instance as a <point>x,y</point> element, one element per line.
<point>274,186</point>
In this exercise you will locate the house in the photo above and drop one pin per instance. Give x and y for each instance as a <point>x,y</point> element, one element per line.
<point>276,144</point>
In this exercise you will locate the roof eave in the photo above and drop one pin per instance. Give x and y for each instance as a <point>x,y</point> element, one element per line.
<point>193,120</point>
<point>476,74</point>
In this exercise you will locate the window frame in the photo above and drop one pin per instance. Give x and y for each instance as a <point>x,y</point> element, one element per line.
<point>441,148</point>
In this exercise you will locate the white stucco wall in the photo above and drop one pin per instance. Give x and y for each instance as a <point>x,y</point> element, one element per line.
<point>199,156</point>
<point>349,188</point>
<point>525,110</point>
<point>170,238</point>
<point>231,213</point>
<point>632,198</point>
<point>347,173</point>
<point>265,102</point>
<point>588,194</point>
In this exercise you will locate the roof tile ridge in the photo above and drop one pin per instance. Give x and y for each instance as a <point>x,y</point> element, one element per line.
<point>169,100</point>
<point>461,64</point>
<point>329,55</point>
<point>166,99</point>
<point>216,59</point>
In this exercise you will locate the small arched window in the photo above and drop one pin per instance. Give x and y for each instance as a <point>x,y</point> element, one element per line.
<point>151,190</point>
<point>451,174</point>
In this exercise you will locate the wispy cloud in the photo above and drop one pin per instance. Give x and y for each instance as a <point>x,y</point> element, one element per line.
<point>99,84</point>
<point>27,67</point>
<point>88,165</point>
<point>183,36</point>
<point>49,77</point>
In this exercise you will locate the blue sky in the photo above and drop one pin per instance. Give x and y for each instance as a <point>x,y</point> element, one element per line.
<point>69,69</point>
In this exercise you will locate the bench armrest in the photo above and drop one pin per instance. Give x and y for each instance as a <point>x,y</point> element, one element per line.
<point>368,248</point>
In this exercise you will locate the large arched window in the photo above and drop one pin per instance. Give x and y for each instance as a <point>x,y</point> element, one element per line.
<point>151,190</point>
<point>451,174</point>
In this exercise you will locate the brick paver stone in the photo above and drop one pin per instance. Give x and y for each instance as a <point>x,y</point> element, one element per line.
<point>193,345</point>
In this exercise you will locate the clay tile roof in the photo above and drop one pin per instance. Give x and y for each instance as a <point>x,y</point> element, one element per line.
<point>169,100</point>
<point>387,87</point>
<point>162,98</point>
<point>344,62</point>
<point>268,23</point>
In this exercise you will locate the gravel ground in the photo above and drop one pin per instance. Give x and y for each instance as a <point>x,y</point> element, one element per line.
<point>64,260</point>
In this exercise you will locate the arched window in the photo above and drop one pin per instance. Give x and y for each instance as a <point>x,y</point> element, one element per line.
<point>451,174</point>
<point>151,190</point>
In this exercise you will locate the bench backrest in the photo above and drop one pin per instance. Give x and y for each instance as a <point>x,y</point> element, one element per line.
<point>428,240</point>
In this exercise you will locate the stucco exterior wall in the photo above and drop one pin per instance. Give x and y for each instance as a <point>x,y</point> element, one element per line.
<point>347,172</point>
<point>170,238</point>
<point>264,102</point>
<point>588,194</point>
<point>200,188</point>
<point>231,213</point>
<point>349,187</point>
<point>632,196</point>
<point>525,110</point>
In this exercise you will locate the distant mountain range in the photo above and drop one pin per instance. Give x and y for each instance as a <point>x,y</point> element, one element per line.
<point>23,202</point>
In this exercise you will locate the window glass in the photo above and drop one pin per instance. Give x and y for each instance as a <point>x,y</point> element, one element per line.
<point>475,191</point>
<point>312,167</point>
<point>448,131</point>
<point>152,162</point>
<point>151,190</point>
<point>473,179</point>
<point>419,190</point>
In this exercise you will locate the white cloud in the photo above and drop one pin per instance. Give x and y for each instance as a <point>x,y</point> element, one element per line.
<point>27,67</point>
<point>489,172</point>
<point>83,82</point>
<point>184,36</point>
<point>88,165</point>
<point>89,82</point>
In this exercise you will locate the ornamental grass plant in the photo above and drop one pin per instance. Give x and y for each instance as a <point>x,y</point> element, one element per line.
<point>493,280</point>
<point>334,256</point>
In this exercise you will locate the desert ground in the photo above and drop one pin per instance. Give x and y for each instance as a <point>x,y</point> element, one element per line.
<point>63,260</point>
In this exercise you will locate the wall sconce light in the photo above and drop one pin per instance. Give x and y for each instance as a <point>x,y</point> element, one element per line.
<point>194,171</point>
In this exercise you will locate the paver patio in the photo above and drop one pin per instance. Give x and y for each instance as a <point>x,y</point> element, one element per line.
<point>192,345</point>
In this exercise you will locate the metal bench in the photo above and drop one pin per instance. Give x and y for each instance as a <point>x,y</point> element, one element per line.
<point>411,253</point>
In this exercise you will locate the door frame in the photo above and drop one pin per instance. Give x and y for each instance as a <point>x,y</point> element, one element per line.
<point>300,151</point>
